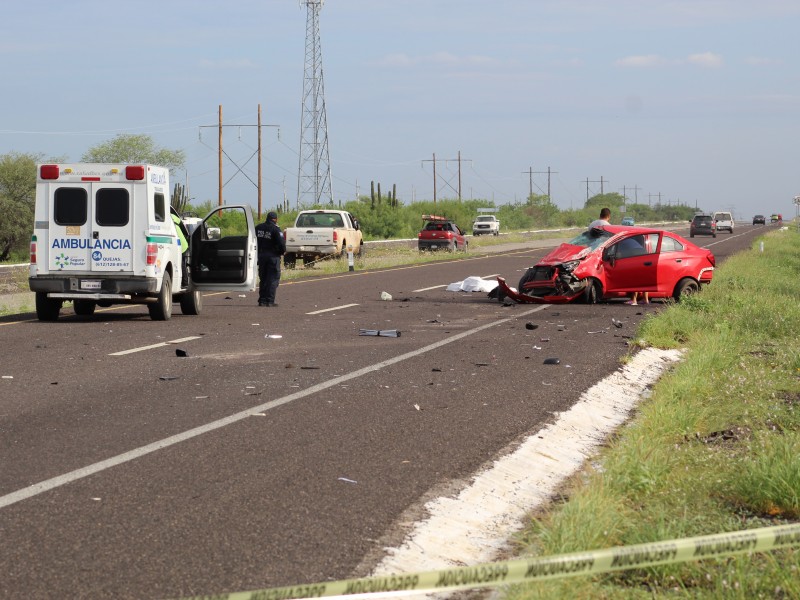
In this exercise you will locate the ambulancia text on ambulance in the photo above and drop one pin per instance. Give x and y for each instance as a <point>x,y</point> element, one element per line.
<point>104,234</point>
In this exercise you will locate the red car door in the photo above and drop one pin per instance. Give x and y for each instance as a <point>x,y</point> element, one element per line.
<point>631,264</point>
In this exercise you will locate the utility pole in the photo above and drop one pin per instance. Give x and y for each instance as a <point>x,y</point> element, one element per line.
<point>531,173</point>
<point>219,145</point>
<point>587,187</point>
<point>650,197</point>
<point>459,160</point>
<point>459,172</point>
<point>434,177</point>
<point>220,126</point>
<point>635,189</point>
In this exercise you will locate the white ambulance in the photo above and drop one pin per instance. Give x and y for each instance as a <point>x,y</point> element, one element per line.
<point>104,234</point>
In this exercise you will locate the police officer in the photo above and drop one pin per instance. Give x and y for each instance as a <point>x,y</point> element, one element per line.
<point>271,246</point>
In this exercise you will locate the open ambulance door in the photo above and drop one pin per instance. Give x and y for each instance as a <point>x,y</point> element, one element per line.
<point>223,253</point>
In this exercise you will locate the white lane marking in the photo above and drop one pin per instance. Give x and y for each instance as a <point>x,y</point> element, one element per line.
<point>324,310</point>
<point>494,506</point>
<point>49,484</point>
<point>436,287</point>
<point>161,345</point>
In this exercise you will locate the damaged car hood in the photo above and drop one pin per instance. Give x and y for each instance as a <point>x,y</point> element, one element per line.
<point>565,253</point>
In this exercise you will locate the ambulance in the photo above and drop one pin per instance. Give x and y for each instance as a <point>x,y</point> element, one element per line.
<point>104,234</point>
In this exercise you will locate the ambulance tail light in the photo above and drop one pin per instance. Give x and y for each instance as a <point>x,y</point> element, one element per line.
<point>134,172</point>
<point>152,253</point>
<point>48,171</point>
<point>33,250</point>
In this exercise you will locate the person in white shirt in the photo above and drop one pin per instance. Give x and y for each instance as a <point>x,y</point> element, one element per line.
<point>605,215</point>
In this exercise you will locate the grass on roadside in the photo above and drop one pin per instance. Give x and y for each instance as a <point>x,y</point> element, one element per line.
<point>716,448</point>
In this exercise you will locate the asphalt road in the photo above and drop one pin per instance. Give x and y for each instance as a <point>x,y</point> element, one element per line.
<point>127,471</point>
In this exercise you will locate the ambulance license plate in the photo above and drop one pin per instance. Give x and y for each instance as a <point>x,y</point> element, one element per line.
<point>90,284</point>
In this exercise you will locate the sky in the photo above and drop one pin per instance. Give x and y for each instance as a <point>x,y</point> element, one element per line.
<point>673,101</point>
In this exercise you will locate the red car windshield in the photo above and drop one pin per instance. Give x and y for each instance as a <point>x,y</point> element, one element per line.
<point>591,238</point>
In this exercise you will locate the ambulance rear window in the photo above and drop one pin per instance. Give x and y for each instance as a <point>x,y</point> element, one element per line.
<point>112,207</point>
<point>69,206</point>
<point>160,207</point>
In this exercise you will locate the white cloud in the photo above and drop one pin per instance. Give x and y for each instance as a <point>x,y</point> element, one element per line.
<point>646,60</point>
<point>757,61</point>
<point>706,59</point>
<point>447,59</point>
<point>227,63</point>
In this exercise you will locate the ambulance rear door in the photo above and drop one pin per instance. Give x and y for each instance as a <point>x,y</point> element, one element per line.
<point>90,227</point>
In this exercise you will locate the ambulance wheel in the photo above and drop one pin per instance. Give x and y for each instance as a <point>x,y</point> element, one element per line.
<point>47,309</point>
<point>161,310</point>
<point>191,303</point>
<point>84,308</point>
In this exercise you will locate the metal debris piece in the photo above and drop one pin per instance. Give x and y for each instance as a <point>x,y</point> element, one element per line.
<point>615,322</point>
<point>380,332</point>
<point>531,326</point>
<point>181,353</point>
<point>551,361</point>
<point>168,377</point>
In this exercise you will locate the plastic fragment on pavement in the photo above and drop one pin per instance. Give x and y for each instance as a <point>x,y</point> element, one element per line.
<point>616,323</point>
<point>273,336</point>
<point>551,361</point>
<point>181,353</point>
<point>346,480</point>
<point>386,296</point>
<point>380,332</point>
<point>531,326</point>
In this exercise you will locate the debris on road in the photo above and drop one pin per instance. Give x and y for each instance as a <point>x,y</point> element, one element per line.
<point>346,480</point>
<point>473,284</point>
<point>552,361</point>
<point>386,296</point>
<point>616,323</point>
<point>380,332</point>
<point>531,326</point>
<point>181,353</point>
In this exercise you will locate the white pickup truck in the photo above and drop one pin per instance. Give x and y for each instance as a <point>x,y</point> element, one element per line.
<point>486,224</point>
<point>321,233</point>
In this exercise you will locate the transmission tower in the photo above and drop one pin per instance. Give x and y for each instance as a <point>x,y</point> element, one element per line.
<point>314,171</point>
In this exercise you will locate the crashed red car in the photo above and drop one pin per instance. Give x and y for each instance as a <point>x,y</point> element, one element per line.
<point>612,262</point>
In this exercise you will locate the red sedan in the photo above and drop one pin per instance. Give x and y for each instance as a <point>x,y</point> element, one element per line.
<point>613,262</point>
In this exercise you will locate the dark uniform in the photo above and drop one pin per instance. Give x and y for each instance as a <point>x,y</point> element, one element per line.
<point>271,246</point>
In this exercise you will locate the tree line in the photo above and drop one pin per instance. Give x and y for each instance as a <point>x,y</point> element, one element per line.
<point>380,217</point>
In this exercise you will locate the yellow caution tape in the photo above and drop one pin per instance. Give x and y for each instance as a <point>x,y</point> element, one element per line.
<point>534,569</point>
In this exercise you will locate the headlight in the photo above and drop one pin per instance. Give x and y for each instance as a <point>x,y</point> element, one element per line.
<point>570,266</point>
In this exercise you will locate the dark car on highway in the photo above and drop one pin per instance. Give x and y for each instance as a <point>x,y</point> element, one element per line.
<point>759,220</point>
<point>703,225</point>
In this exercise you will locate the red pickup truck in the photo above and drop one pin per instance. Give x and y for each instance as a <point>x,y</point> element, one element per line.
<point>440,233</point>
